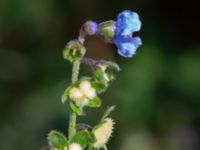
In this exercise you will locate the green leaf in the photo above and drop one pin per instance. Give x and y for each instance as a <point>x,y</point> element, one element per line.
<point>107,112</point>
<point>57,140</point>
<point>65,95</point>
<point>99,86</point>
<point>76,109</point>
<point>83,138</point>
<point>96,102</point>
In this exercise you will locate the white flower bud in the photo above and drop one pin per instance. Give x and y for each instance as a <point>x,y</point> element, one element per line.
<point>75,146</point>
<point>91,93</point>
<point>75,94</point>
<point>85,86</point>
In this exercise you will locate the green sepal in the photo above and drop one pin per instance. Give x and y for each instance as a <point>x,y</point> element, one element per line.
<point>79,111</point>
<point>107,30</point>
<point>57,140</point>
<point>94,103</point>
<point>84,138</point>
<point>99,75</point>
<point>99,86</point>
<point>65,95</point>
<point>107,112</point>
<point>112,65</point>
<point>109,74</point>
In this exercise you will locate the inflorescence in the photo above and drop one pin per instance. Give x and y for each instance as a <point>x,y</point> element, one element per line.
<point>83,92</point>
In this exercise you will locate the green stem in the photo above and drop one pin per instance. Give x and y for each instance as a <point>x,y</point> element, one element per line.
<point>72,124</point>
<point>89,147</point>
<point>72,119</point>
<point>75,71</point>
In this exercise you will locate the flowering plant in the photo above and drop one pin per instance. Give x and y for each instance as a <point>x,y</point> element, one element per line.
<point>83,92</point>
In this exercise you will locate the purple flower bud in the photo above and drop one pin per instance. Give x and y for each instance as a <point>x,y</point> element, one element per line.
<point>90,27</point>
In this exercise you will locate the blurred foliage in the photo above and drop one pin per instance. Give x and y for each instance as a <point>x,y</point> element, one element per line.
<point>156,94</point>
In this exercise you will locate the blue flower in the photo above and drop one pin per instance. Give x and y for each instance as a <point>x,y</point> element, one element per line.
<point>127,45</point>
<point>127,23</point>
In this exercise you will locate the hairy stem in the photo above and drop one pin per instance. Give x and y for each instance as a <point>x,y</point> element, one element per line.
<point>72,117</point>
<point>75,71</point>
<point>72,125</point>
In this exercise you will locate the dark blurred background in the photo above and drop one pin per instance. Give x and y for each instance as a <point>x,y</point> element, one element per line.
<point>157,93</point>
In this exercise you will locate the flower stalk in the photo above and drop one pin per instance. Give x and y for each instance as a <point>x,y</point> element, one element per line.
<point>72,118</point>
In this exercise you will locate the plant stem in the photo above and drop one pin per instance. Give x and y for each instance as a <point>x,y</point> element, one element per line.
<point>72,124</point>
<point>75,71</point>
<point>72,117</point>
<point>89,147</point>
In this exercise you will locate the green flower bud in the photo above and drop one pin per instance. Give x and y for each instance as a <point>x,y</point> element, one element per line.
<point>74,51</point>
<point>104,74</point>
<point>107,30</point>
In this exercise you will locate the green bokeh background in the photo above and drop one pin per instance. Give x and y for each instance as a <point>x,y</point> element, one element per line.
<point>157,93</point>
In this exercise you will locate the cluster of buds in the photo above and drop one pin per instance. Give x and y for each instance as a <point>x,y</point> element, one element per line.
<point>82,93</point>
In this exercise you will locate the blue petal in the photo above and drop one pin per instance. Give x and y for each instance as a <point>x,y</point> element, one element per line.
<point>127,45</point>
<point>127,23</point>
